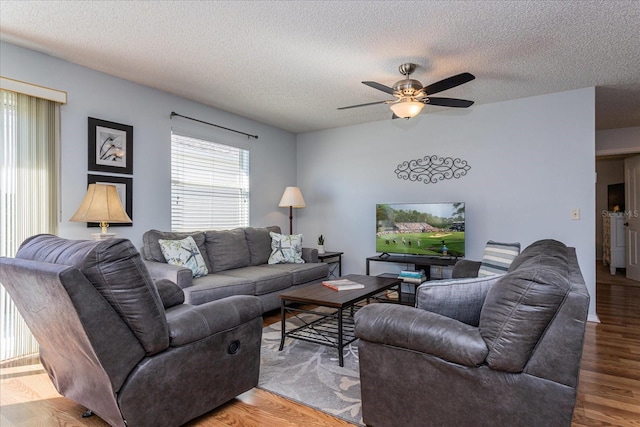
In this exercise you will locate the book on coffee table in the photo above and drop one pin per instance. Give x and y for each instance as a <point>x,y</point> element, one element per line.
<point>342,284</point>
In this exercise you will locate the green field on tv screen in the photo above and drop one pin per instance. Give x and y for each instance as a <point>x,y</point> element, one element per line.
<point>427,243</point>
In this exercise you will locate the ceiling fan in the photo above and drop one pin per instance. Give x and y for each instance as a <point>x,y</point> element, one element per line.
<point>410,96</point>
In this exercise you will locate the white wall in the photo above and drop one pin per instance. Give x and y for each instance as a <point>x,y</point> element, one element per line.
<point>618,141</point>
<point>95,94</point>
<point>532,161</point>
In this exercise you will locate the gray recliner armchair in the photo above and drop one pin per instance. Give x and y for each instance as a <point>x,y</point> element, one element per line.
<point>492,351</point>
<point>124,347</point>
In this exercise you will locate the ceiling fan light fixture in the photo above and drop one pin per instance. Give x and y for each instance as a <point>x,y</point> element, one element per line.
<point>407,109</point>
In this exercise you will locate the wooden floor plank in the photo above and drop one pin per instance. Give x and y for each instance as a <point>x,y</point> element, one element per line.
<point>608,392</point>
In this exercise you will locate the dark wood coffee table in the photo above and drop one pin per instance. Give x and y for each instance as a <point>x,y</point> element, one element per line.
<point>335,328</point>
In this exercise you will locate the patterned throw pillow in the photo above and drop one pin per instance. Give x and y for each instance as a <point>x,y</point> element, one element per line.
<point>497,258</point>
<point>286,249</point>
<point>184,253</point>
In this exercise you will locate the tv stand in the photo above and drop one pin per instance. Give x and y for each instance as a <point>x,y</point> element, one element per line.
<point>420,262</point>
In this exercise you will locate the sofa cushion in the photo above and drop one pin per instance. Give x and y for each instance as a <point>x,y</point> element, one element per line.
<point>227,249</point>
<point>286,249</point>
<point>460,299</point>
<point>153,252</point>
<point>184,253</point>
<point>303,273</point>
<point>116,269</point>
<point>217,286</point>
<point>259,242</point>
<point>266,280</point>
<point>497,258</point>
<point>518,309</point>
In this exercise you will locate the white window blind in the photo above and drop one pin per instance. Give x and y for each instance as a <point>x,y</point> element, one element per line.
<point>29,138</point>
<point>209,185</point>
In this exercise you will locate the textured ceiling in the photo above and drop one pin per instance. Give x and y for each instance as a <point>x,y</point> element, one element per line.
<point>290,64</point>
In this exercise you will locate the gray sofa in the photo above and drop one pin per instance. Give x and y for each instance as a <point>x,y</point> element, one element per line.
<point>493,351</point>
<point>237,263</point>
<point>132,352</point>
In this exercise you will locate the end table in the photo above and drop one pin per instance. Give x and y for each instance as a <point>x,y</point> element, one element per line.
<point>334,259</point>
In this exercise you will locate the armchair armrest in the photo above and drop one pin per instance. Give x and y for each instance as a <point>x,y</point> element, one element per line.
<point>190,323</point>
<point>465,268</point>
<point>421,331</point>
<point>459,299</point>
<point>182,276</point>
<point>310,255</point>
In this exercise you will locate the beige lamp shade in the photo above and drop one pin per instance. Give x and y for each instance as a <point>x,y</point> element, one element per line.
<point>292,197</point>
<point>101,204</point>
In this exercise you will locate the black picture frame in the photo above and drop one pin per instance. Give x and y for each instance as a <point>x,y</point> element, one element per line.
<point>110,147</point>
<point>122,184</point>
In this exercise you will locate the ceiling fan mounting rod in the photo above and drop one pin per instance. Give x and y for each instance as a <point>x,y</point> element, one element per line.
<point>407,68</point>
<point>407,87</point>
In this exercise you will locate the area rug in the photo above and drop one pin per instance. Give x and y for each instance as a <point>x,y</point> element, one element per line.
<point>309,373</point>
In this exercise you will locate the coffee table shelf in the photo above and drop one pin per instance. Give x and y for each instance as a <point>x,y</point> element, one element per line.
<point>324,329</point>
<point>335,328</point>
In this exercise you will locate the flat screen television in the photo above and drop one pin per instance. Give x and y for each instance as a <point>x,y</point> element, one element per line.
<point>430,229</point>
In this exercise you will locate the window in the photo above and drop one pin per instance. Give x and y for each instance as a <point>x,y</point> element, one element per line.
<point>209,185</point>
<point>28,195</point>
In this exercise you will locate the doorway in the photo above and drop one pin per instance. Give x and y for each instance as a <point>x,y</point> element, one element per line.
<point>612,174</point>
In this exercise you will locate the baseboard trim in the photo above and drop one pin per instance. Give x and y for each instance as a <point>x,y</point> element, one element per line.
<point>593,318</point>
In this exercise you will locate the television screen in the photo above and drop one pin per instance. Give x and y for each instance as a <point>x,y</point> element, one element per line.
<point>432,229</point>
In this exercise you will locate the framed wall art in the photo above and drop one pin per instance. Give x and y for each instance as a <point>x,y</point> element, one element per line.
<point>110,147</point>
<point>124,186</point>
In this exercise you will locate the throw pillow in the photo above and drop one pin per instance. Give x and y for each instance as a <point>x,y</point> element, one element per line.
<point>184,253</point>
<point>497,258</point>
<point>286,249</point>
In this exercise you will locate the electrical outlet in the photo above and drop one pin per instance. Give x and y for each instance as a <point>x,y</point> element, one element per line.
<point>575,213</point>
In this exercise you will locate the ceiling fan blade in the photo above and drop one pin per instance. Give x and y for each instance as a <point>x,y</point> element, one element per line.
<point>450,102</point>
<point>381,87</point>
<point>449,83</point>
<point>361,105</point>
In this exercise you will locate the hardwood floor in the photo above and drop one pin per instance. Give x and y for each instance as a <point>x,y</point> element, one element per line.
<point>608,394</point>
<point>609,388</point>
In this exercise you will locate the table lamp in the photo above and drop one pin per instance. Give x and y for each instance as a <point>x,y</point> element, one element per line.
<point>101,204</point>
<point>292,198</point>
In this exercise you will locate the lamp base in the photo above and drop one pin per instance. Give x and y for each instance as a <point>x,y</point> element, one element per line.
<point>102,236</point>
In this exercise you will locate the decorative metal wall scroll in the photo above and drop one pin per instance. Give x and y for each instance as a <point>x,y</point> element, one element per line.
<point>431,169</point>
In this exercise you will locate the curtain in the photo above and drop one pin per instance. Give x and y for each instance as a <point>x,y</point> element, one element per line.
<point>28,195</point>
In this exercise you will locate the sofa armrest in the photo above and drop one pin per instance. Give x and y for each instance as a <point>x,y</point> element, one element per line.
<point>182,276</point>
<point>460,299</point>
<point>422,331</point>
<point>190,323</point>
<point>465,268</point>
<point>170,293</point>
<point>310,255</point>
